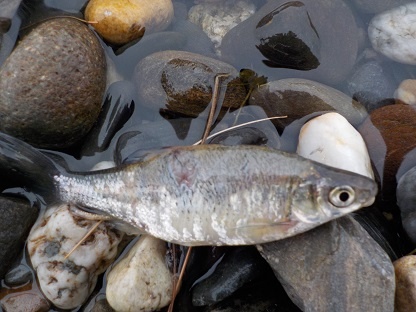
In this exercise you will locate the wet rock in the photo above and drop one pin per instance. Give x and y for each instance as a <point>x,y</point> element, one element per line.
<point>292,39</point>
<point>178,82</point>
<point>50,103</point>
<point>296,98</point>
<point>405,269</point>
<point>390,33</point>
<point>141,281</point>
<point>377,6</point>
<point>67,282</point>
<point>406,92</point>
<point>406,200</point>
<point>18,276</point>
<point>124,21</point>
<point>102,306</point>
<point>335,267</point>
<point>390,133</point>
<point>371,85</point>
<point>27,302</point>
<point>216,19</point>
<point>8,8</point>
<point>330,139</point>
<point>17,217</point>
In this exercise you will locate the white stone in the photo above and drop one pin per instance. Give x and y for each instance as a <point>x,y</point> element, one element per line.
<point>103,165</point>
<point>67,283</point>
<point>330,139</point>
<point>406,92</point>
<point>393,33</point>
<point>217,18</point>
<point>141,281</point>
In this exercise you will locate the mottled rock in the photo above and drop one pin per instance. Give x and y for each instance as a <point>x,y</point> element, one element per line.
<point>123,21</point>
<point>25,302</point>
<point>182,83</point>
<point>330,139</point>
<point>17,217</point>
<point>390,133</point>
<point>52,84</point>
<point>335,267</point>
<point>296,98</point>
<point>141,280</point>
<point>292,39</point>
<point>377,6</point>
<point>391,33</point>
<point>67,282</point>
<point>216,19</point>
<point>405,269</point>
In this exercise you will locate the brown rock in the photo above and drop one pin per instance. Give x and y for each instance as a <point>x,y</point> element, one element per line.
<point>405,270</point>
<point>25,302</point>
<point>390,133</point>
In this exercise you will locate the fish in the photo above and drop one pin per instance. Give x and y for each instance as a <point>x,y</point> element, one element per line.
<point>200,195</point>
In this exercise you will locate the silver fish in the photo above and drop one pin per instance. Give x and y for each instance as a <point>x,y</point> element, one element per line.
<point>209,194</point>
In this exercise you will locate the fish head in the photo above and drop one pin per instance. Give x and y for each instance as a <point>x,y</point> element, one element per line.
<point>331,193</point>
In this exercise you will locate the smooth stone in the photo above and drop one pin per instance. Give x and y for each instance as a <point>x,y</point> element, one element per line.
<point>141,280</point>
<point>68,282</point>
<point>296,98</point>
<point>17,217</point>
<point>8,8</point>
<point>405,269</point>
<point>389,133</point>
<point>335,267</point>
<point>179,82</point>
<point>292,39</point>
<point>406,200</point>
<point>406,92</point>
<point>330,139</point>
<point>377,6</point>
<point>391,33</point>
<point>371,85</point>
<point>18,276</point>
<point>25,302</point>
<point>124,21</point>
<point>217,19</point>
<point>47,103</point>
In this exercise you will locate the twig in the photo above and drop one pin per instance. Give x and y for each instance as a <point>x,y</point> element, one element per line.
<point>84,238</point>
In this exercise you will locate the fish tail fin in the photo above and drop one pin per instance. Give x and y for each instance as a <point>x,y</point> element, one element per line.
<point>22,165</point>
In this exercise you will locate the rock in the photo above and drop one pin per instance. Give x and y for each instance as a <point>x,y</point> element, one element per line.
<point>124,21</point>
<point>102,306</point>
<point>330,139</point>
<point>141,280</point>
<point>17,217</point>
<point>390,33</point>
<point>406,200</point>
<point>67,283</point>
<point>405,269</point>
<point>406,92</point>
<point>216,19</point>
<point>335,267</point>
<point>52,84</point>
<point>390,133</point>
<point>27,302</point>
<point>178,82</point>
<point>18,276</point>
<point>377,6</point>
<point>292,39</point>
<point>8,8</point>
<point>296,98</point>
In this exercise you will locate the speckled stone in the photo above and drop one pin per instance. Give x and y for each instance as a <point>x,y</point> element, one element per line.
<point>26,302</point>
<point>405,270</point>
<point>51,86</point>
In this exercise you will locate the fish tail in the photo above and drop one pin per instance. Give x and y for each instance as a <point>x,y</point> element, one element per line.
<point>22,165</point>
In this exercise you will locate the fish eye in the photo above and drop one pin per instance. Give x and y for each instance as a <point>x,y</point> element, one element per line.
<point>342,196</point>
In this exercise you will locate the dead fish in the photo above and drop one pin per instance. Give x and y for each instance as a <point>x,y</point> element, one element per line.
<point>201,195</point>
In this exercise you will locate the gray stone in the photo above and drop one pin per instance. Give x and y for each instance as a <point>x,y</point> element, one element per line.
<point>52,84</point>
<point>18,276</point>
<point>17,217</point>
<point>335,267</point>
<point>377,6</point>
<point>406,200</point>
<point>9,7</point>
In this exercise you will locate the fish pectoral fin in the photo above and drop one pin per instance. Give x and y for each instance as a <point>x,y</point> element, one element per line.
<point>263,230</point>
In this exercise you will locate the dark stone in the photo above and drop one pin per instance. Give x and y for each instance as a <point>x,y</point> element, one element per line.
<point>52,84</point>
<point>17,217</point>
<point>335,267</point>
<point>18,276</point>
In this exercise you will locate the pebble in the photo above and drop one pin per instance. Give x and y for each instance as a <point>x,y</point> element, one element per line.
<point>18,276</point>
<point>292,39</point>
<point>216,19</point>
<point>17,217</point>
<point>25,302</point>
<point>405,270</point>
<point>332,140</point>
<point>296,98</point>
<point>179,82</point>
<point>406,92</point>
<point>406,200</point>
<point>67,283</point>
<point>8,8</point>
<point>391,33</point>
<point>335,267</point>
<point>125,20</point>
<point>377,6</point>
<point>141,280</point>
<point>47,103</point>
